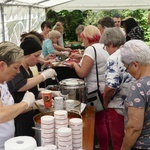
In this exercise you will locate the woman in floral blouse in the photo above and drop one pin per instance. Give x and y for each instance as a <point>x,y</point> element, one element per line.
<point>135,55</point>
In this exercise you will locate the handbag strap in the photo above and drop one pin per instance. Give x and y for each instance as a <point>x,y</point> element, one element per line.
<point>96,68</point>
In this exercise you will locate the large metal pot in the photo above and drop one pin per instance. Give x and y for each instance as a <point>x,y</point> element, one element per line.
<point>75,89</point>
<point>37,122</point>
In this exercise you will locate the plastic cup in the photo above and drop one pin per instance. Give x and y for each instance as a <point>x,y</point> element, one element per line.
<point>47,98</point>
<point>69,103</point>
<point>58,103</point>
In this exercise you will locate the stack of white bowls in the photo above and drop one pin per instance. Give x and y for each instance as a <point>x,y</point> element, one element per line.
<point>47,130</point>
<point>76,124</point>
<point>61,120</point>
<point>65,138</point>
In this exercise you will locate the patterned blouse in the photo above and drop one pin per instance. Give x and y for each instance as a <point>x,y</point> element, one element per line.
<point>117,78</point>
<point>139,97</point>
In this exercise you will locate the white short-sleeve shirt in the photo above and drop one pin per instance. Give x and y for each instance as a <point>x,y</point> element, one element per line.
<point>102,56</point>
<point>7,129</point>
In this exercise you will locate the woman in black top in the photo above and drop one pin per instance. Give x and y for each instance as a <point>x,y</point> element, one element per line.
<point>132,29</point>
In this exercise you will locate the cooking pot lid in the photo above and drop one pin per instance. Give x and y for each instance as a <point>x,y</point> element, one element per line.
<point>72,82</point>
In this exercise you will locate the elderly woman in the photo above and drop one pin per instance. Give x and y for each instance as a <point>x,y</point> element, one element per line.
<point>78,31</point>
<point>10,61</point>
<point>87,70</point>
<point>135,55</point>
<point>24,81</point>
<point>117,83</point>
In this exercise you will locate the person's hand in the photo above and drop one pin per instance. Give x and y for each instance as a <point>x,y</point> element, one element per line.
<point>29,98</point>
<point>68,49</point>
<point>51,56</point>
<point>75,56</point>
<point>49,73</point>
<point>55,45</point>
<point>40,103</point>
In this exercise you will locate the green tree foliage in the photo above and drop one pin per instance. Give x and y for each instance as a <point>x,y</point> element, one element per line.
<point>76,17</point>
<point>72,20</point>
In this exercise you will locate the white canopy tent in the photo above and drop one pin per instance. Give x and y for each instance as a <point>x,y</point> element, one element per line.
<point>18,16</point>
<point>103,5</point>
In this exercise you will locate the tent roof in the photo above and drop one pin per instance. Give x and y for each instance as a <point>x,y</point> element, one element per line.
<point>103,4</point>
<point>59,5</point>
<point>35,3</point>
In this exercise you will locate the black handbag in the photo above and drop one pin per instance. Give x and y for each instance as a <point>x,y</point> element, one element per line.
<point>95,97</point>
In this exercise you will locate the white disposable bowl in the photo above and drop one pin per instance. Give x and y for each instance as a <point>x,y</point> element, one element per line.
<point>76,136</point>
<point>75,127</point>
<point>47,131</point>
<point>77,145</point>
<point>58,126</point>
<point>79,131</point>
<point>48,127</point>
<point>49,135</point>
<point>64,139</point>
<point>76,141</point>
<point>61,121</point>
<point>64,131</point>
<point>64,143</point>
<point>75,121</point>
<point>47,119</point>
<point>60,114</point>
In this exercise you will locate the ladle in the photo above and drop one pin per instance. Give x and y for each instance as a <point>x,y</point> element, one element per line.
<point>38,107</point>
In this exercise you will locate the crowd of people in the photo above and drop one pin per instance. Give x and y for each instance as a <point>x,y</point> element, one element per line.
<point>123,60</point>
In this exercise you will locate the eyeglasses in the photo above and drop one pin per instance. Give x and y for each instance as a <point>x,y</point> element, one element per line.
<point>126,70</point>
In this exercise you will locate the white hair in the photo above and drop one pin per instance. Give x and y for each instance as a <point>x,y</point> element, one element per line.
<point>135,50</point>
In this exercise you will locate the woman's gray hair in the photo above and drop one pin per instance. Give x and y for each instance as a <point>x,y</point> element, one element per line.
<point>113,36</point>
<point>10,53</point>
<point>79,29</point>
<point>135,50</point>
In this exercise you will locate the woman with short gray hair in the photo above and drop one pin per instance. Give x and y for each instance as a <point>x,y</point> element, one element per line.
<point>135,55</point>
<point>113,35</point>
<point>117,82</point>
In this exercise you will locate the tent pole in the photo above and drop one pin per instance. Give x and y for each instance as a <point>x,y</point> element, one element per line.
<point>29,18</point>
<point>2,17</point>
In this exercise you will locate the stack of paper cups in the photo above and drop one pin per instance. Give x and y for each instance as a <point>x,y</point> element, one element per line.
<point>47,130</point>
<point>61,120</point>
<point>76,124</point>
<point>65,138</point>
<point>69,104</point>
<point>58,103</point>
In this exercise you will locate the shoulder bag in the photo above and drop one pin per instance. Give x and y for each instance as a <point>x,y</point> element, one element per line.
<point>95,97</point>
